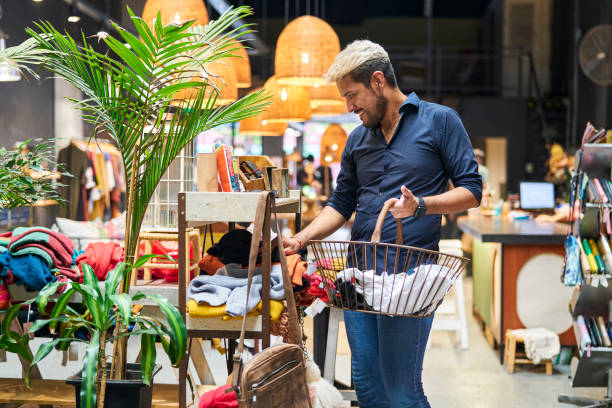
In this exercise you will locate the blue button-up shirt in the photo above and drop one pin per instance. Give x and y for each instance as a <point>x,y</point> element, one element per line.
<point>429,147</point>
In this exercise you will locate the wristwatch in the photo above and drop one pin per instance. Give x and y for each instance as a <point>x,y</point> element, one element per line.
<point>421,209</point>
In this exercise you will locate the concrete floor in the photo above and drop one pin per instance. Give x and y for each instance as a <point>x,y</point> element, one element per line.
<point>474,377</point>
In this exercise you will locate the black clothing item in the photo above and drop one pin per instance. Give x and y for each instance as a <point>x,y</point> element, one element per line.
<point>347,296</point>
<point>235,246</point>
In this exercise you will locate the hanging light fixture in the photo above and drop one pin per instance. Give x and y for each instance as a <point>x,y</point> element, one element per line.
<point>305,50</point>
<point>332,144</point>
<point>241,64</point>
<point>8,72</point>
<point>288,103</point>
<point>258,126</point>
<point>74,16</point>
<point>222,75</point>
<point>324,110</point>
<point>324,95</point>
<point>175,11</point>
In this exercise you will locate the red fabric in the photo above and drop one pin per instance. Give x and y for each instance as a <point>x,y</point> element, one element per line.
<point>5,296</point>
<point>102,257</point>
<point>220,397</point>
<point>58,242</point>
<point>317,288</point>
<point>210,264</point>
<point>169,248</point>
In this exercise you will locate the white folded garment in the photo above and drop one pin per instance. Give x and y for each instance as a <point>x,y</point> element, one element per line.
<point>540,343</point>
<point>402,293</point>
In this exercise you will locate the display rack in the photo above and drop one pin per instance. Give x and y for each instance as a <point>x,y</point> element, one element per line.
<point>594,368</point>
<point>197,209</point>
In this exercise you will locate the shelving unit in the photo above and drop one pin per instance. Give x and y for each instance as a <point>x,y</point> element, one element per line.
<point>197,209</point>
<point>594,368</point>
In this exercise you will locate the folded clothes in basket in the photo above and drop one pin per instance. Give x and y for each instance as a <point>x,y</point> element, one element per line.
<point>417,292</point>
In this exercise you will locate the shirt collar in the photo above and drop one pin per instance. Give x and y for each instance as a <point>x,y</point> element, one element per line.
<point>411,99</point>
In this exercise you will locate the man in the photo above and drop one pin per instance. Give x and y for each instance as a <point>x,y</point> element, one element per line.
<point>406,148</point>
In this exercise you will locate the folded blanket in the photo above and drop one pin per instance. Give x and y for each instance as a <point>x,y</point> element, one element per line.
<point>56,242</point>
<point>540,343</point>
<point>218,289</point>
<point>29,270</point>
<point>204,310</point>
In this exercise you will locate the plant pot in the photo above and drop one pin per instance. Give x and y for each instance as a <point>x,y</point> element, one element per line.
<point>128,393</point>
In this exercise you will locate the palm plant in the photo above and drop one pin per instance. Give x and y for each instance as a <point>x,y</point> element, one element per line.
<point>103,309</point>
<point>132,98</point>
<point>130,94</point>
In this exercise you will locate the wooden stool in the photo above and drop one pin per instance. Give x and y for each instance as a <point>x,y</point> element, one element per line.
<point>511,357</point>
<point>192,235</point>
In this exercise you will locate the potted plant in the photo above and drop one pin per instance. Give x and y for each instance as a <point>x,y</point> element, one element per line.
<point>99,310</point>
<point>130,95</point>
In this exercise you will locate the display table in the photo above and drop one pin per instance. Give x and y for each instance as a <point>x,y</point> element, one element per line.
<point>516,266</point>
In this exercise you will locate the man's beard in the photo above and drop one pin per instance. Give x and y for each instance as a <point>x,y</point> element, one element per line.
<point>374,119</point>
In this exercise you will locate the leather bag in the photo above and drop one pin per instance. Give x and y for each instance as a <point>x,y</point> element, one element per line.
<point>275,377</point>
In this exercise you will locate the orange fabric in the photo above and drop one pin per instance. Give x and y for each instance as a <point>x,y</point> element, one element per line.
<point>210,264</point>
<point>297,267</point>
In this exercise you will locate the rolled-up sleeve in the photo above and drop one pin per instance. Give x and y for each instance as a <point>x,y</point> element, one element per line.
<point>457,155</point>
<point>344,198</point>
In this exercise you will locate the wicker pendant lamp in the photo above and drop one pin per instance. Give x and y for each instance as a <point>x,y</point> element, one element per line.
<point>223,76</point>
<point>241,64</point>
<point>323,110</point>
<point>324,95</point>
<point>305,50</point>
<point>332,144</point>
<point>175,11</point>
<point>288,103</point>
<point>258,126</point>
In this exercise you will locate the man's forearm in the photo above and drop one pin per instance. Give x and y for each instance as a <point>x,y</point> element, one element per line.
<point>456,200</point>
<point>324,224</point>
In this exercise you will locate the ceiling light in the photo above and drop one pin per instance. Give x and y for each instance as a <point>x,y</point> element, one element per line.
<point>74,16</point>
<point>102,31</point>
<point>37,1</point>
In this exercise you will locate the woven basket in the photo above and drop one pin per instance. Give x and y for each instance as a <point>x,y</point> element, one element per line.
<point>288,103</point>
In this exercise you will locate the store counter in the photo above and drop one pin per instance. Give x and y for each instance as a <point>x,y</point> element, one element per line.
<point>516,268</point>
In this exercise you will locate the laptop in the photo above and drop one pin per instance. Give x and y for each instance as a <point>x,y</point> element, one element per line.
<point>537,196</point>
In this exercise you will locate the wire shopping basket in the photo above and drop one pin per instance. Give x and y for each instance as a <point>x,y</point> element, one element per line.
<point>389,279</point>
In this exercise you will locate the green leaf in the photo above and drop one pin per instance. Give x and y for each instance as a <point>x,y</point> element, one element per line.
<point>123,301</point>
<point>43,351</point>
<point>10,314</point>
<point>60,306</point>
<point>176,326</point>
<point>91,280</point>
<point>89,373</point>
<point>146,258</point>
<point>43,296</point>
<point>17,344</point>
<point>40,323</point>
<point>112,282</point>
<point>147,357</point>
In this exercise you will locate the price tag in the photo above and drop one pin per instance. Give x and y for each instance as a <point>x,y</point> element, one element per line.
<point>315,308</point>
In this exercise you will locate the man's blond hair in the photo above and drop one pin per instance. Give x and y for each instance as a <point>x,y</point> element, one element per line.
<point>353,56</point>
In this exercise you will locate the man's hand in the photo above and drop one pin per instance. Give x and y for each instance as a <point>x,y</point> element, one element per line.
<point>405,206</point>
<point>291,245</point>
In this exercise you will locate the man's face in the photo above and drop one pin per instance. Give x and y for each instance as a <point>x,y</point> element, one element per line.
<point>365,101</point>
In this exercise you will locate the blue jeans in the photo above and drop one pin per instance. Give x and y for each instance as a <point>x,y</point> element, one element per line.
<point>387,357</point>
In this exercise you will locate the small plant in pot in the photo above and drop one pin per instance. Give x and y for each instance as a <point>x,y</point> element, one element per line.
<point>100,310</point>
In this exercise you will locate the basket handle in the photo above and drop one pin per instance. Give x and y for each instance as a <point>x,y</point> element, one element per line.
<point>399,236</point>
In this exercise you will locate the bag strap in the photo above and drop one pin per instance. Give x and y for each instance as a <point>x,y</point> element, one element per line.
<point>265,205</point>
<point>260,214</point>
<point>294,328</point>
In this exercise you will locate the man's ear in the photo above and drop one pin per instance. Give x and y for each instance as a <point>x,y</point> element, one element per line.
<point>378,80</point>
